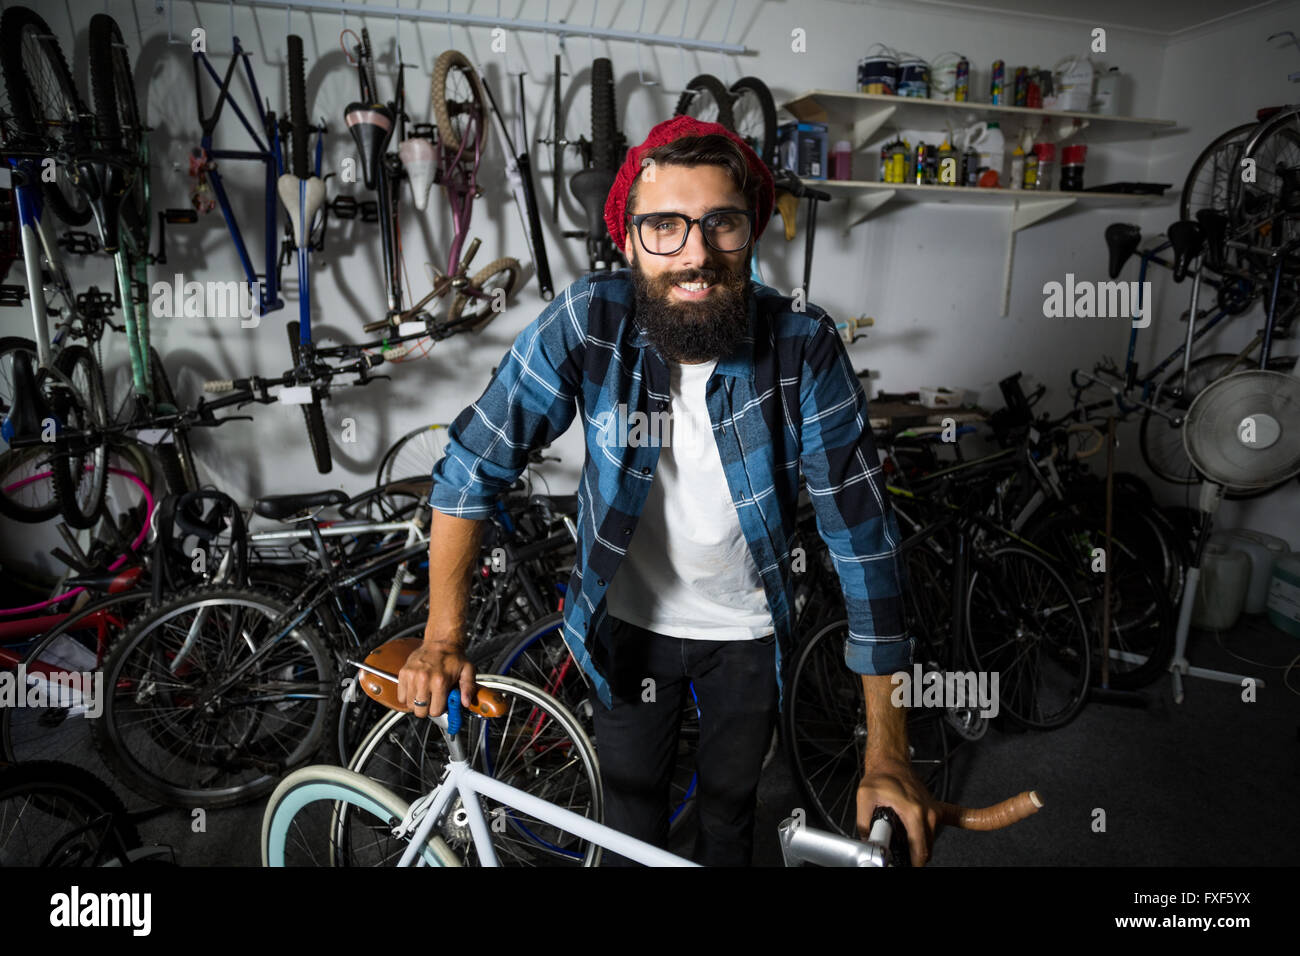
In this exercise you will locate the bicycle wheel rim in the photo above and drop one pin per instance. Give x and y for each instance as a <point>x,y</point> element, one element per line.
<point>80,478</point>
<point>413,455</point>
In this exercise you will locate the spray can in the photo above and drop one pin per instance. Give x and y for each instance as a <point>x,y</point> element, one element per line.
<point>961,92</point>
<point>970,166</point>
<point>898,162</point>
<point>918,170</point>
<point>1021,86</point>
<point>947,166</point>
<point>998,84</point>
<point>1031,170</point>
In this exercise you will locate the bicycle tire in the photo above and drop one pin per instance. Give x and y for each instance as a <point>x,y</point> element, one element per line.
<point>604,121</point>
<point>302,658</point>
<point>300,814</point>
<point>29,501</point>
<point>297,110</point>
<point>1249,202</point>
<point>92,814</point>
<point>445,110</point>
<point>175,458</point>
<point>763,140</point>
<point>80,497</point>
<point>549,751</point>
<point>117,112</point>
<point>31,113</point>
<point>823,725</point>
<point>313,414</point>
<point>701,92</point>
<point>1221,157</point>
<point>506,270</point>
<point>1070,648</point>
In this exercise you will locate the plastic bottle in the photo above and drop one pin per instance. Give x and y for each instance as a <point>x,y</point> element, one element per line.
<point>1017,168</point>
<point>947,166</point>
<point>1105,100</point>
<point>1046,160</point>
<point>842,160</point>
<point>992,149</point>
<point>1031,170</point>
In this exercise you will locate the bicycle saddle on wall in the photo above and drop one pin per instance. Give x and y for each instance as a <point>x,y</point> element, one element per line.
<point>371,127</point>
<point>1214,229</point>
<point>1187,239</point>
<point>591,187</point>
<point>1122,240</point>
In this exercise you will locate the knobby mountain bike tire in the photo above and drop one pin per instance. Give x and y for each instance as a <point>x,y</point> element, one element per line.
<point>477,312</point>
<point>298,112</point>
<point>58,815</point>
<point>313,414</point>
<point>754,114</point>
<point>537,745</point>
<point>604,121</point>
<point>117,113</point>
<point>171,740</point>
<point>298,825</point>
<point>452,103</point>
<point>80,478</point>
<point>23,497</point>
<point>44,112</point>
<point>707,98</point>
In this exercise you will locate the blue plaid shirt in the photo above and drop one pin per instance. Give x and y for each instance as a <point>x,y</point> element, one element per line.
<point>785,402</point>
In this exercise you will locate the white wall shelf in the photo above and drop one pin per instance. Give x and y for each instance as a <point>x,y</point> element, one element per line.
<point>866,113</point>
<point>863,199</point>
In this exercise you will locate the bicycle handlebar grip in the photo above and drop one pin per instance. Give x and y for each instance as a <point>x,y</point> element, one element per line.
<point>219,385</point>
<point>900,853</point>
<point>995,817</point>
<point>453,713</point>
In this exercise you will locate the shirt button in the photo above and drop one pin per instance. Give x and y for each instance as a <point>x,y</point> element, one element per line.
<point>627,530</point>
<point>645,471</point>
<point>600,582</point>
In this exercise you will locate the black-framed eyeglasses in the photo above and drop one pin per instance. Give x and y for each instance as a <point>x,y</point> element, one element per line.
<point>665,233</point>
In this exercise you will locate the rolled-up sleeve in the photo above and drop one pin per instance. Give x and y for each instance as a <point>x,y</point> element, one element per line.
<point>844,480</point>
<point>529,403</point>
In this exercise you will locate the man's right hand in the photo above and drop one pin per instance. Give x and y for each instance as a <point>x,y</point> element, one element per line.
<point>433,671</point>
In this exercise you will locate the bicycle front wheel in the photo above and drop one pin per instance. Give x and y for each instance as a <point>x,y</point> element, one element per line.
<point>537,745</point>
<point>298,825</point>
<point>825,730</point>
<point>80,477</point>
<point>52,814</point>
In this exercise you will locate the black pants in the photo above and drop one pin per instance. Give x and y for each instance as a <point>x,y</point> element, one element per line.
<point>650,676</point>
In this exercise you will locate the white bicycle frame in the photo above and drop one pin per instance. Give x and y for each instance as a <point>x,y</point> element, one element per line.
<point>799,844</point>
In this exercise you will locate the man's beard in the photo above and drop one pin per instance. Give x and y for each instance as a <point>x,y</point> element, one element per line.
<point>685,331</point>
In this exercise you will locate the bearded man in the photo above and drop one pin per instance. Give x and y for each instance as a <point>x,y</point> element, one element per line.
<point>683,577</point>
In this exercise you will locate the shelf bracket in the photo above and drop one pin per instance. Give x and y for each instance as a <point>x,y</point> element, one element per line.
<point>865,127</point>
<point>858,207</point>
<point>1024,213</point>
<point>1068,126</point>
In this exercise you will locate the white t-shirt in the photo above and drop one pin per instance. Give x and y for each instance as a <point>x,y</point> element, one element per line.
<point>688,571</point>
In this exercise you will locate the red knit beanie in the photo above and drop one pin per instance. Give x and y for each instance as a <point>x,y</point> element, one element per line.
<point>666,132</point>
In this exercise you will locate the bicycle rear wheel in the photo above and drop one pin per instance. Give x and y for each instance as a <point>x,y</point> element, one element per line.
<point>80,477</point>
<point>1024,625</point>
<point>486,295</point>
<point>44,103</point>
<point>167,733</point>
<point>413,455</point>
<point>298,827</point>
<point>1209,181</point>
<point>824,727</point>
<point>537,745</point>
<point>755,116</point>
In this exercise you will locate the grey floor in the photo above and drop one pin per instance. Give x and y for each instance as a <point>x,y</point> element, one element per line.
<point>1213,781</point>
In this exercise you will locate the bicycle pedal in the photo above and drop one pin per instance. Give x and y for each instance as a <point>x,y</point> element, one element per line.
<point>370,211</point>
<point>79,243</point>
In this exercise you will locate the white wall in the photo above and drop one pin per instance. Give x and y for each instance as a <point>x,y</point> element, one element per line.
<point>930,275</point>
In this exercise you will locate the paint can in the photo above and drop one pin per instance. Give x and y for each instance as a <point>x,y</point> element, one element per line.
<point>914,78</point>
<point>878,71</point>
